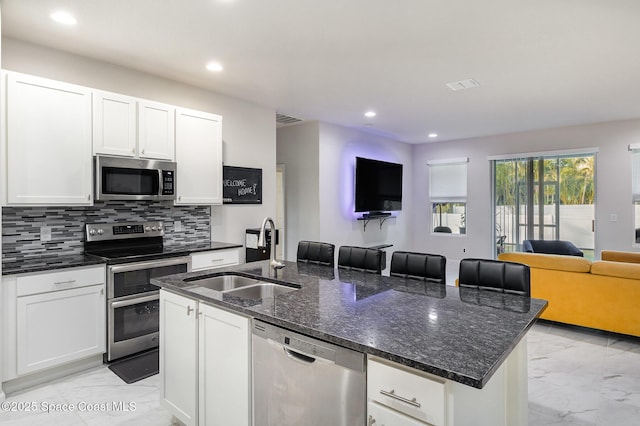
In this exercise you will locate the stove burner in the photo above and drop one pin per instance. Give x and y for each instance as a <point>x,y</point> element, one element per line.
<point>126,242</point>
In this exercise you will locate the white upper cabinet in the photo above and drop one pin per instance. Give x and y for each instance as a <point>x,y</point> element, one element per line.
<point>48,142</point>
<point>156,130</point>
<point>114,124</point>
<point>199,157</point>
<point>132,127</point>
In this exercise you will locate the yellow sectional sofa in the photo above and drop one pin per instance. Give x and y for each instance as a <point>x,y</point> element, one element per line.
<point>603,294</point>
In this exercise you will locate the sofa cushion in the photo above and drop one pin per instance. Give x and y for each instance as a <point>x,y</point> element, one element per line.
<point>549,261</point>
<point>551,247</point>
<point>616,269</point>
<point>620,256</point>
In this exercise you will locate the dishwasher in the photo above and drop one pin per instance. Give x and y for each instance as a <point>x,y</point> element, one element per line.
<point>298,380</point>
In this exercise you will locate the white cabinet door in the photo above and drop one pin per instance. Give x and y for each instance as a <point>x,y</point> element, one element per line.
<point>59,326</point>
<point>48,142</point>
<point>156,130</point>
<point>225,376</point>
<point>179,356</point>
<point>199,157</point>
<point>114,124</point>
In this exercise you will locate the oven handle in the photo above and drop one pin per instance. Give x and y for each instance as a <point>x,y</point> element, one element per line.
<point>158,263</point>
<point>135,301</point>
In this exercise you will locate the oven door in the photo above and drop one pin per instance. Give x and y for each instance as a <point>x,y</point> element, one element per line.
<point>133,325</point>
<point>135,278</point>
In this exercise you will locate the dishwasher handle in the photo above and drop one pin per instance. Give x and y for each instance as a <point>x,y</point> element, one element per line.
<point>299,356</point>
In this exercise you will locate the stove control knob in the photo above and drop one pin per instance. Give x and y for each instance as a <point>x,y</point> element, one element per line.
<point>92,232</point>
<point>153,228</point>
<point>100,231</point>
<point>147,228</point>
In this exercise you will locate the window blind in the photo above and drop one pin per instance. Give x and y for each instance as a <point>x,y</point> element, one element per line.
<point>636,175</point>
<point>448,182</point>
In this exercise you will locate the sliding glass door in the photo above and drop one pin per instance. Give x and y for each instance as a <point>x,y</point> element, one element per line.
<point>544,198</point>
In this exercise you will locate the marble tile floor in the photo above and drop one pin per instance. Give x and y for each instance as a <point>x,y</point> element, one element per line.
<point>576,377</point>
<point>581,376</point>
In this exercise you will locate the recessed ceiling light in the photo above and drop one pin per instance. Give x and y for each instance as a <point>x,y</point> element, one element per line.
<point>370,114</point>
<point>433,135</point>
<point>64,18</point>
<point>214,66</point>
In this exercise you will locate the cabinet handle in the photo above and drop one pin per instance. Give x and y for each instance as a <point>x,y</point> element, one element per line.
<point>102,292</point>
<point>89,197</point>
<point>142,152</point>
<point>392,394</point>
<point>216,260</point>
<point>371,420</point>
<point>133,151</point>
<point>189,310</point>
<point>64,282</point>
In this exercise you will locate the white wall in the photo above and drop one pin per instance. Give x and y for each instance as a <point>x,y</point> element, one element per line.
<point>248,130</point>
<point>297,149</point>
<point>339,146</point>
<point>613,184</point>
<point>320,161</point>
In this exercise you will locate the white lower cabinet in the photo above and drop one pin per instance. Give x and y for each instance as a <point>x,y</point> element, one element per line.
<point>215,259</point>
<point>224,361</point>
<point>398,395</point>
<point>61,326</point>
<point>204,362</point>
<point>53,318</point>
<point>412,394</point>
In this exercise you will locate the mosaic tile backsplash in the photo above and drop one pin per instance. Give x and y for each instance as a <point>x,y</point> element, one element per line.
<point>21,225</point>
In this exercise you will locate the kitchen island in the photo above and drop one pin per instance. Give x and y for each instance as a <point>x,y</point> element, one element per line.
<point>460,337</point>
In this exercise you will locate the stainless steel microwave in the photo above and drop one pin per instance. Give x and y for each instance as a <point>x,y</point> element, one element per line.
<point>119,178</point>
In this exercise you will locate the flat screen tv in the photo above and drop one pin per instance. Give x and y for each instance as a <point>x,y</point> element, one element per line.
<point>378,186</point>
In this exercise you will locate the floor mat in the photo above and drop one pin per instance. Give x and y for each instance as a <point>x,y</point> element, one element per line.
<point>137,367</point>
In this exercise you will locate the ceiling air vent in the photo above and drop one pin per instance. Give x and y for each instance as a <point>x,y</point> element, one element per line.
<point>283,119</point>
<point>463,84</point>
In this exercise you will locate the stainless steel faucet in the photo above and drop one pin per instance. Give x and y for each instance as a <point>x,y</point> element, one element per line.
<point>262,242</point>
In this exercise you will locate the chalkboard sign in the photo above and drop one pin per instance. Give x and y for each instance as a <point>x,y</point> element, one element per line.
<point>241,185</point>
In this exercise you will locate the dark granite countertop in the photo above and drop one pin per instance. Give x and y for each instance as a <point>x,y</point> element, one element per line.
<point>51,262</point>
<point>188,248</point>
<point>459,334</point>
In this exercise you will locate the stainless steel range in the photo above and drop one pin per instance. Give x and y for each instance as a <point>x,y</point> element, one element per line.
<point>134,253</point>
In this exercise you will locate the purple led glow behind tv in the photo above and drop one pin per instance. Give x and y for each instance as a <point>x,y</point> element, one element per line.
<point>378,186</point>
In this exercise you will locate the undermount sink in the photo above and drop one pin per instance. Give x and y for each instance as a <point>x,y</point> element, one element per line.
<point>237,286</point>
<point>262,290</point>
<point>224,282</point>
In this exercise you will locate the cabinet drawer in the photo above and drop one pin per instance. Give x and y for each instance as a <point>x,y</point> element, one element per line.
<point>379,415</point>
<point>61,280</point>
<point>407,392</point>
<point>214,259</point>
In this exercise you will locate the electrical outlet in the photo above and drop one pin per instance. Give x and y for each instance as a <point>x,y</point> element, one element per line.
<point>45,233</point>
<point>464,250</point>
<point>177,226</point>
<point>613,217</point>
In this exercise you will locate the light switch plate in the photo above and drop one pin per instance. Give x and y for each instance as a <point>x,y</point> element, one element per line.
<point>45,233</point>
<point>177,226</point>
